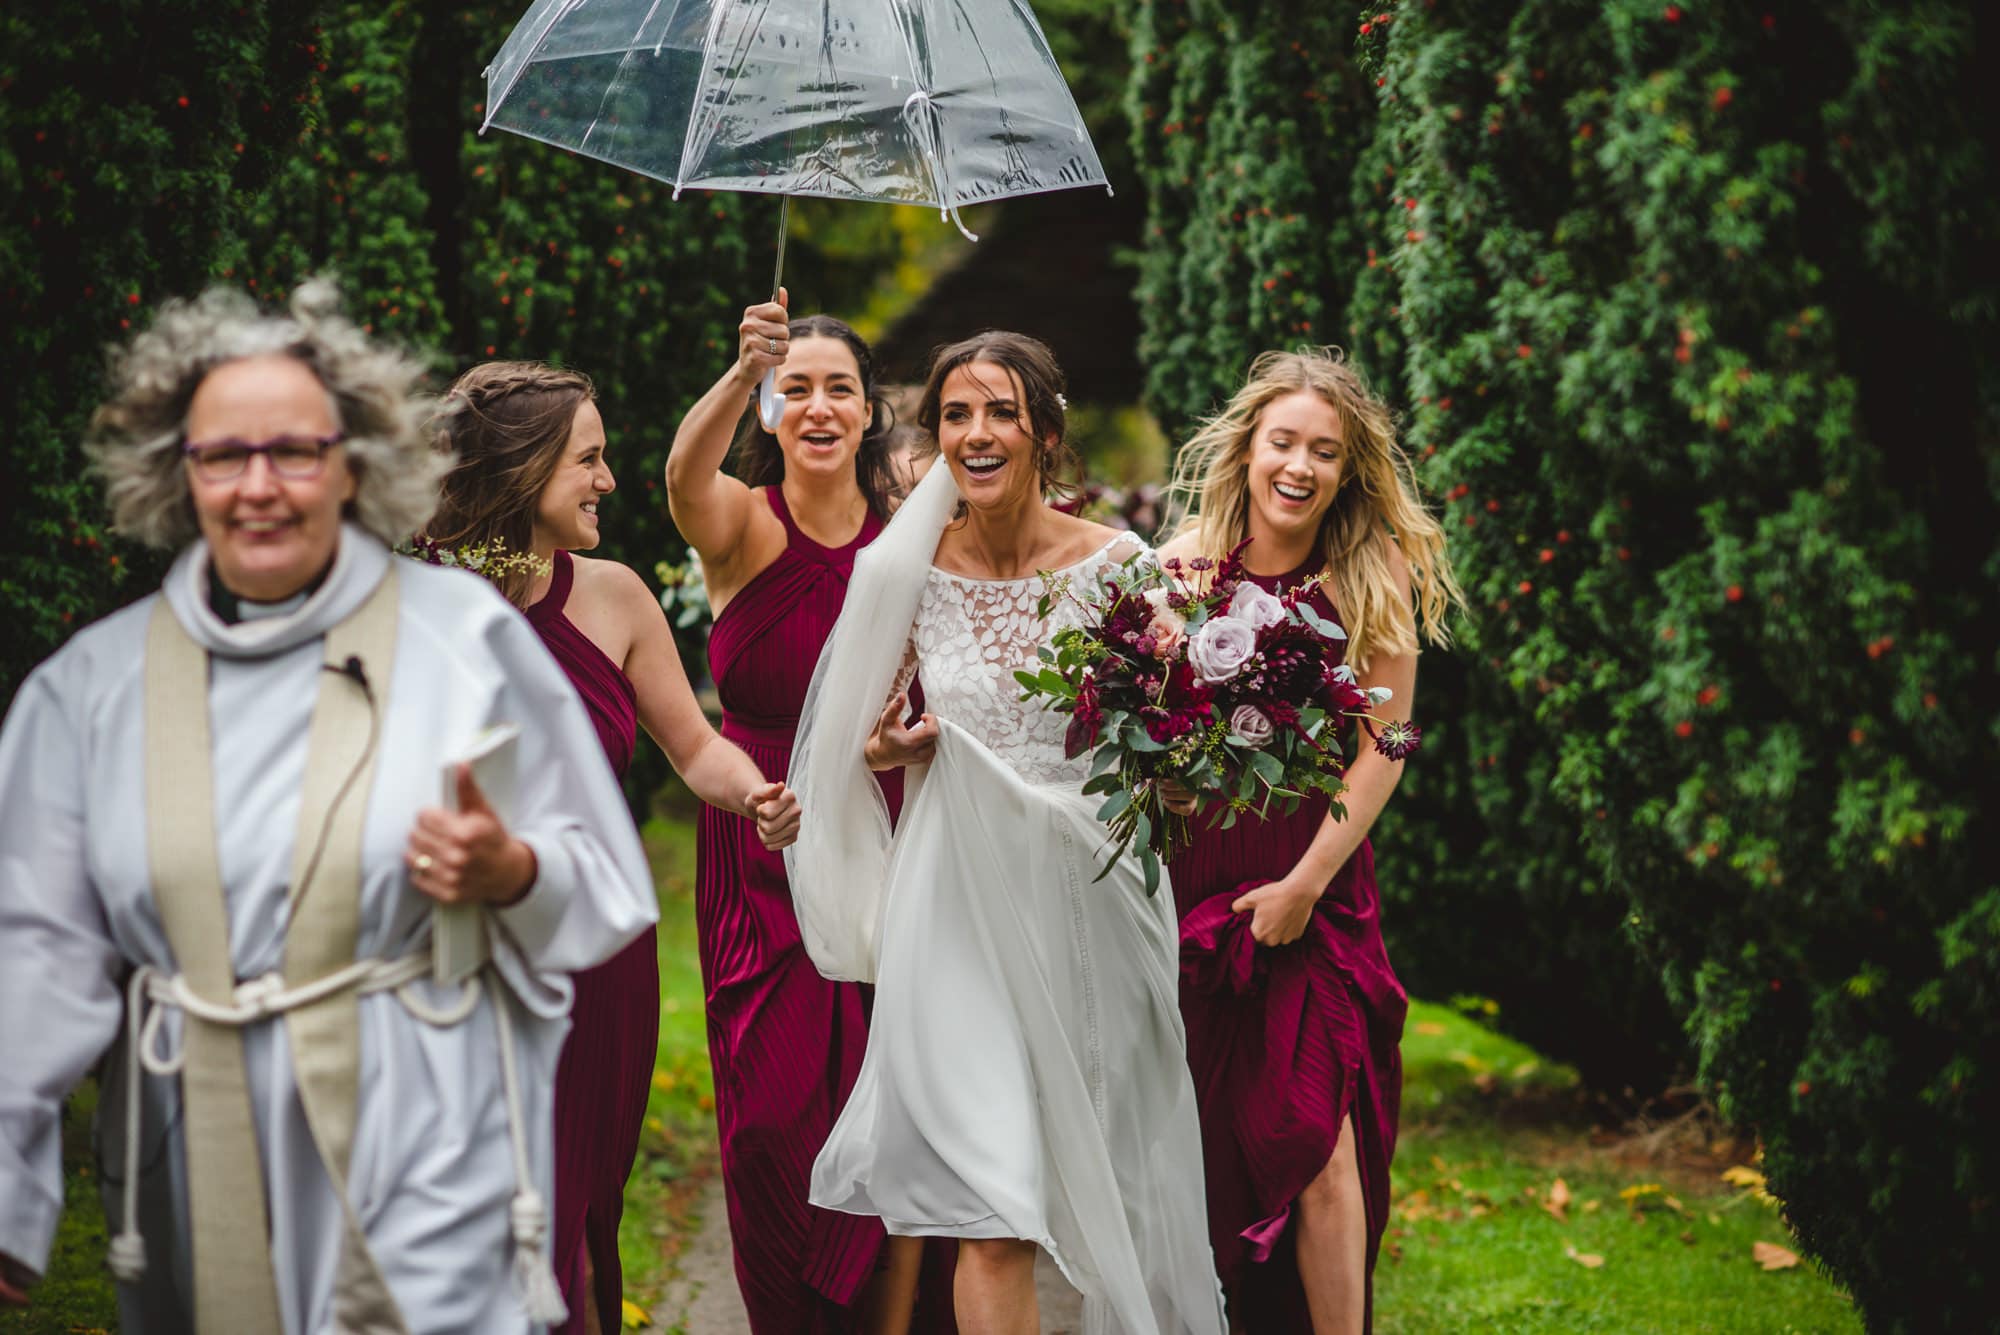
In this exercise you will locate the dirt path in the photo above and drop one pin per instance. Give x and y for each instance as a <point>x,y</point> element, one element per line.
<point>703,1299</point>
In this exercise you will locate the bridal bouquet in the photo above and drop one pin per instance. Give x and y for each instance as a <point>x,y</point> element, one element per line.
<point>1193,673</point>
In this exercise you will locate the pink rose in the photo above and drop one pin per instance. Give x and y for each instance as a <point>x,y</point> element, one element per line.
<point>1166,626</point>
<point>1221,647</point>
<point>1252,724</point>
<point>1256,605</point>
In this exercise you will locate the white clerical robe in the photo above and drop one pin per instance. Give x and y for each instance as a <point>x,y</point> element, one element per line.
<point>431,1174</point>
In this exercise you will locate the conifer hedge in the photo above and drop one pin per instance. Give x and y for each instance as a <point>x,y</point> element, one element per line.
<point>126,130</point>
<point>465,246</point>
<point>1690,310</point>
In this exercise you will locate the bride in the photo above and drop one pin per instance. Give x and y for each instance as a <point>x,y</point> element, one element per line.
<point>1025,1083</point>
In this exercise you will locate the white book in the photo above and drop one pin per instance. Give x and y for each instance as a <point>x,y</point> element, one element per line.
<point>459,947</point>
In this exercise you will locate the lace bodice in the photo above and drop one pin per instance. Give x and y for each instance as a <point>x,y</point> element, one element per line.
<point>970,637</point>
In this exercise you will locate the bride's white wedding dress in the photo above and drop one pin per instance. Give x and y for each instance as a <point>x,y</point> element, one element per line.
<point>1026,1074</point>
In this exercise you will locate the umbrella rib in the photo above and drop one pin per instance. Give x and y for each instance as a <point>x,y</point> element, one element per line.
<point>611,86</point>
<point>701,126</point>
<point>493,103</point>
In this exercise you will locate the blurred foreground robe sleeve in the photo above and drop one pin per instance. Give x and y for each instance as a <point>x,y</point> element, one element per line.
<point>59,996</point>
<point>593,889</point>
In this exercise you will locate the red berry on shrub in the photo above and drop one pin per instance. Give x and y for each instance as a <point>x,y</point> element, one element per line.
<point>1526,586</point>
<point>1685,728</point>
<point>1723,97</point>
<point>1548,555</point>
<point>1734,593</point>
<point>1673,14</point>
<point>1562,536</point>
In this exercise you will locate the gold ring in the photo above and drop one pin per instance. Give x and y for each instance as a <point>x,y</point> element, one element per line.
<point>424,862</point>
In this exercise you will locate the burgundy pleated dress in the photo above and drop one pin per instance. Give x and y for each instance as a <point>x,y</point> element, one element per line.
<point>1284,1043</point>
<point>607,1061</point>
<point>785,1043</point>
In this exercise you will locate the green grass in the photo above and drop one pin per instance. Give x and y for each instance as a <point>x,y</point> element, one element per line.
<point>76,1294</point>
<point>1487,1130</point>
<point>677,1148</point>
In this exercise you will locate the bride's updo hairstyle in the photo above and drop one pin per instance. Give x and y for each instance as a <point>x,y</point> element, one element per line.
<point>1042,384</point>
<point>757,459</point>
<point>1376,507</point>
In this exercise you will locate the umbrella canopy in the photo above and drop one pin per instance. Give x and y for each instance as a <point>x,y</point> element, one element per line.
<point>937,102</point>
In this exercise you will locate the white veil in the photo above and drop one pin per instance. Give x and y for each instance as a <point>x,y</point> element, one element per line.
<point>839,868</point>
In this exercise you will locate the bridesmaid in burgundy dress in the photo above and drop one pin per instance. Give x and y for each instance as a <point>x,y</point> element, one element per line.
<point>530,478</point>
<point>777,544</point>
<point>1293,1014</point>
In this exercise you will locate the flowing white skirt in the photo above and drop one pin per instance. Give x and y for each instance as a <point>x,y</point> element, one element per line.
<point>1026,1073</point>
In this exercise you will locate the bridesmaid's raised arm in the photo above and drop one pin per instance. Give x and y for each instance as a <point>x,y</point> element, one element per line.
<point>711,509</point>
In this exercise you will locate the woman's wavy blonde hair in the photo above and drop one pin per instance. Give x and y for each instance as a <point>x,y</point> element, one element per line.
<point>1376,507</point>
<point>134,440</point>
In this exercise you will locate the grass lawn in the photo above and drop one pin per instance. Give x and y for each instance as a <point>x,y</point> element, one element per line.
<point>677,1148</point>
<point>1652,1238</point>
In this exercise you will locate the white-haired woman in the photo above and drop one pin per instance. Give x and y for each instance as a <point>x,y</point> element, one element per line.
<point>219,809</point>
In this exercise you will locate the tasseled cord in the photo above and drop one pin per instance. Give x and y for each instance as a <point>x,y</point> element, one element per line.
<point>128,1248</point>
<point>534,1276</point>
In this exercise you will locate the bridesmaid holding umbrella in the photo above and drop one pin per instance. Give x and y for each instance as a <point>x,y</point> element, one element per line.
<point>777,542</point>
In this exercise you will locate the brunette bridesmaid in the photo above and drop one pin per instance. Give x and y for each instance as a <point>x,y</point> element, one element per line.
<point>1293,1013</point>
<point>777,543</point>
<point>527,489</point>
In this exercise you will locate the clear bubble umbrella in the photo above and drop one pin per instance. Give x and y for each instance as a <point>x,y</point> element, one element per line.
<point>942,103</point>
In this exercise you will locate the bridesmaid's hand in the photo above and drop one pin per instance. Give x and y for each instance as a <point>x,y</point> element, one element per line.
<point>775,808</point>
<point>466,856</point>
<point>1177,797</point>
<point>763,338</point>
<point>1279,910</point>
<point>892,745</point>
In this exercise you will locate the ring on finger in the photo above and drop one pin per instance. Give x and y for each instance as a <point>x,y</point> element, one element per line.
<point>424,862</point>
<point>774,346</point>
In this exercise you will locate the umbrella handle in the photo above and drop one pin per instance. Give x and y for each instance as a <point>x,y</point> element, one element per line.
<point>770,405</point>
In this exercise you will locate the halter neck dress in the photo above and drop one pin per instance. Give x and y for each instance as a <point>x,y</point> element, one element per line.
<point>1284,1042</point>
<point>785,1043</point>
<point>607,1062</point>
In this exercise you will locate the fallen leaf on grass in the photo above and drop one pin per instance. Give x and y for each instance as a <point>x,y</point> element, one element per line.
<point>636,1316</point>
<point>1773,1257</point>
<point>1557,1202</point>
<point>1687,1236</point>
<point>1416,1205</point>
<point>1588,1260</point>
<point>1638,1191</point>
<point>1750,1180</point>
<point>1430,1028</point>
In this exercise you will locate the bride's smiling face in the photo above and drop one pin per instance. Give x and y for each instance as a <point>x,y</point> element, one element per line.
<point>986,439</point>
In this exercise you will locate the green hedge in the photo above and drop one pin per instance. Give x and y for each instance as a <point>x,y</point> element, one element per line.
<point>126,131</point>
<point>466,246</point>
<point>1690,309</point>
<point>1266,175</point>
